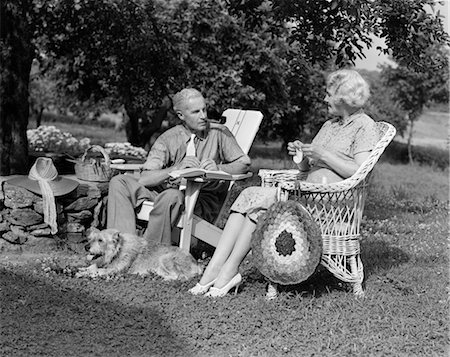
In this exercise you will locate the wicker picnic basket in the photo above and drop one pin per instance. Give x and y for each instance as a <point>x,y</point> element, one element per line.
<point>94,169</point>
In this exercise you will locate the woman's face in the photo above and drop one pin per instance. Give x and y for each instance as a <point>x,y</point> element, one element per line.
<point>333,108</point>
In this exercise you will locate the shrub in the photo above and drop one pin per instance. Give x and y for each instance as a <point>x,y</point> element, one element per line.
<point>424,155</point>
<point>72,119</point>
<point>125,149</point>
<point>431,156</point>
<point>51,139</point>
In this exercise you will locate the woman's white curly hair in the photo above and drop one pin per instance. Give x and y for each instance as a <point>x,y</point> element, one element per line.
<point>181,97</point>
<point>347,86</point>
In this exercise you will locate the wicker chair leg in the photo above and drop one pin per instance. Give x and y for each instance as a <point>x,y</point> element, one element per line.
<point>358,290</point>
<point>346,268</point>
<point>357,269</point>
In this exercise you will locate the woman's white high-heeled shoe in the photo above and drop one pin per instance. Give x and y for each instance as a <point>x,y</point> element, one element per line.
<point>199,289</point>
<point>220,292</point>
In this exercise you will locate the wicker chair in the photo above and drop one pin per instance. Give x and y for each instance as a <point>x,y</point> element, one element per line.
<point>337,208</point>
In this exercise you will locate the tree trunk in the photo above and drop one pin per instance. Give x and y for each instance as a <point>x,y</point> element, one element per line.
<point>139,128</point>
<point>410,136</point>
<point>152,127</point>
<point>132,126</point>
<point>16,57</point>
<point>39,117</point>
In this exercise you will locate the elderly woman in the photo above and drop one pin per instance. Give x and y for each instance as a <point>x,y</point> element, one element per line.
<point>336,152</point>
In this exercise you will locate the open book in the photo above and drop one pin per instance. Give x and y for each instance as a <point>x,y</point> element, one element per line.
<point>207,174</point>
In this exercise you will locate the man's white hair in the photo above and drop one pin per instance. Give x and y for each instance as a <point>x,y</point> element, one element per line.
<point>181,97</point>
<point>349,87</point>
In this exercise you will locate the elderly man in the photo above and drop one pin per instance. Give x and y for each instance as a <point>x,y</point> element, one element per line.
<point>194,143</point>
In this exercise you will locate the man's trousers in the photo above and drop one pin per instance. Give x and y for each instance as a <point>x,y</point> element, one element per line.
<point>126,194</point>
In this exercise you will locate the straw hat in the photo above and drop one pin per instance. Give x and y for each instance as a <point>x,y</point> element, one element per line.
<point>44,169</point>
<point>43,179</point>
<point>287,243</point>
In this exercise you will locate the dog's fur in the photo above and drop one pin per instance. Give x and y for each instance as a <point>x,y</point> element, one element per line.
<point>113,252</point>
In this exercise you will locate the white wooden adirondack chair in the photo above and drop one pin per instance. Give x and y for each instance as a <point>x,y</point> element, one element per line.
<point>244,125</point>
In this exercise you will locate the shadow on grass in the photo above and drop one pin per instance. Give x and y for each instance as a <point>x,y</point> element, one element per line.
<point>376,256</point>
<point>40,318</point>
<point>379,255</point>
<point>321,282</point>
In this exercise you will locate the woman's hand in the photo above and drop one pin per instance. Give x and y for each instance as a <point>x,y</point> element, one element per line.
<point>343,166</point>
<point>314,152</point>
<point>292,147</point>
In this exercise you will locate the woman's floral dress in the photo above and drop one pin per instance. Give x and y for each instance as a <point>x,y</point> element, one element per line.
<point>357,133</point>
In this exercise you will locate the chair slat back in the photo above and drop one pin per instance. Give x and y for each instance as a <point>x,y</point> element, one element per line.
<point>244,125</point>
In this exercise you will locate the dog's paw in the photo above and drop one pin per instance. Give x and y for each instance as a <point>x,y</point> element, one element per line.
<point>81,274</point>
<point>89,271</point>
<point>103,272</point>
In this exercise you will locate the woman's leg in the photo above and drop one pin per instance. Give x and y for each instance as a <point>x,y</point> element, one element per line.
<point>237,233</point>
<point>240,250</point>
<point>227,241</point>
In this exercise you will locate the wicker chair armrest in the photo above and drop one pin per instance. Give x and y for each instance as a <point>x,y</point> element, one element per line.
<point>387,133</point>
<point>343,185</point>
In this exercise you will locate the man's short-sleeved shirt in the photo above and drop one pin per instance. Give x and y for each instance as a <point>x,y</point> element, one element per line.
<point>218,144</point>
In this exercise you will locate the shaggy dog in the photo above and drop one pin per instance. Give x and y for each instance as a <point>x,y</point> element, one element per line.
<point>113,252</point>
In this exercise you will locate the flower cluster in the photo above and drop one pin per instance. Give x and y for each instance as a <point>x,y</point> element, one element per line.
<point>125,149</point>
<point>55,266</point>
<point>51,139</point>
<point>287,243</point>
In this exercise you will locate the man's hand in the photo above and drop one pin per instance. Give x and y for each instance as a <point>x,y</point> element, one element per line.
<point>189,161</point>
<point>209,164</point>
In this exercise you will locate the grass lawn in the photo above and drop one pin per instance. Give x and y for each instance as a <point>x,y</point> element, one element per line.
<point>404,312</point>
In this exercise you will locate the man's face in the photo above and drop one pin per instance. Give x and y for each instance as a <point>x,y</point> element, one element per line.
<point>193,113</point>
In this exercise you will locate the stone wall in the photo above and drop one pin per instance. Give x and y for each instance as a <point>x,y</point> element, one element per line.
<point>22,221</point>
